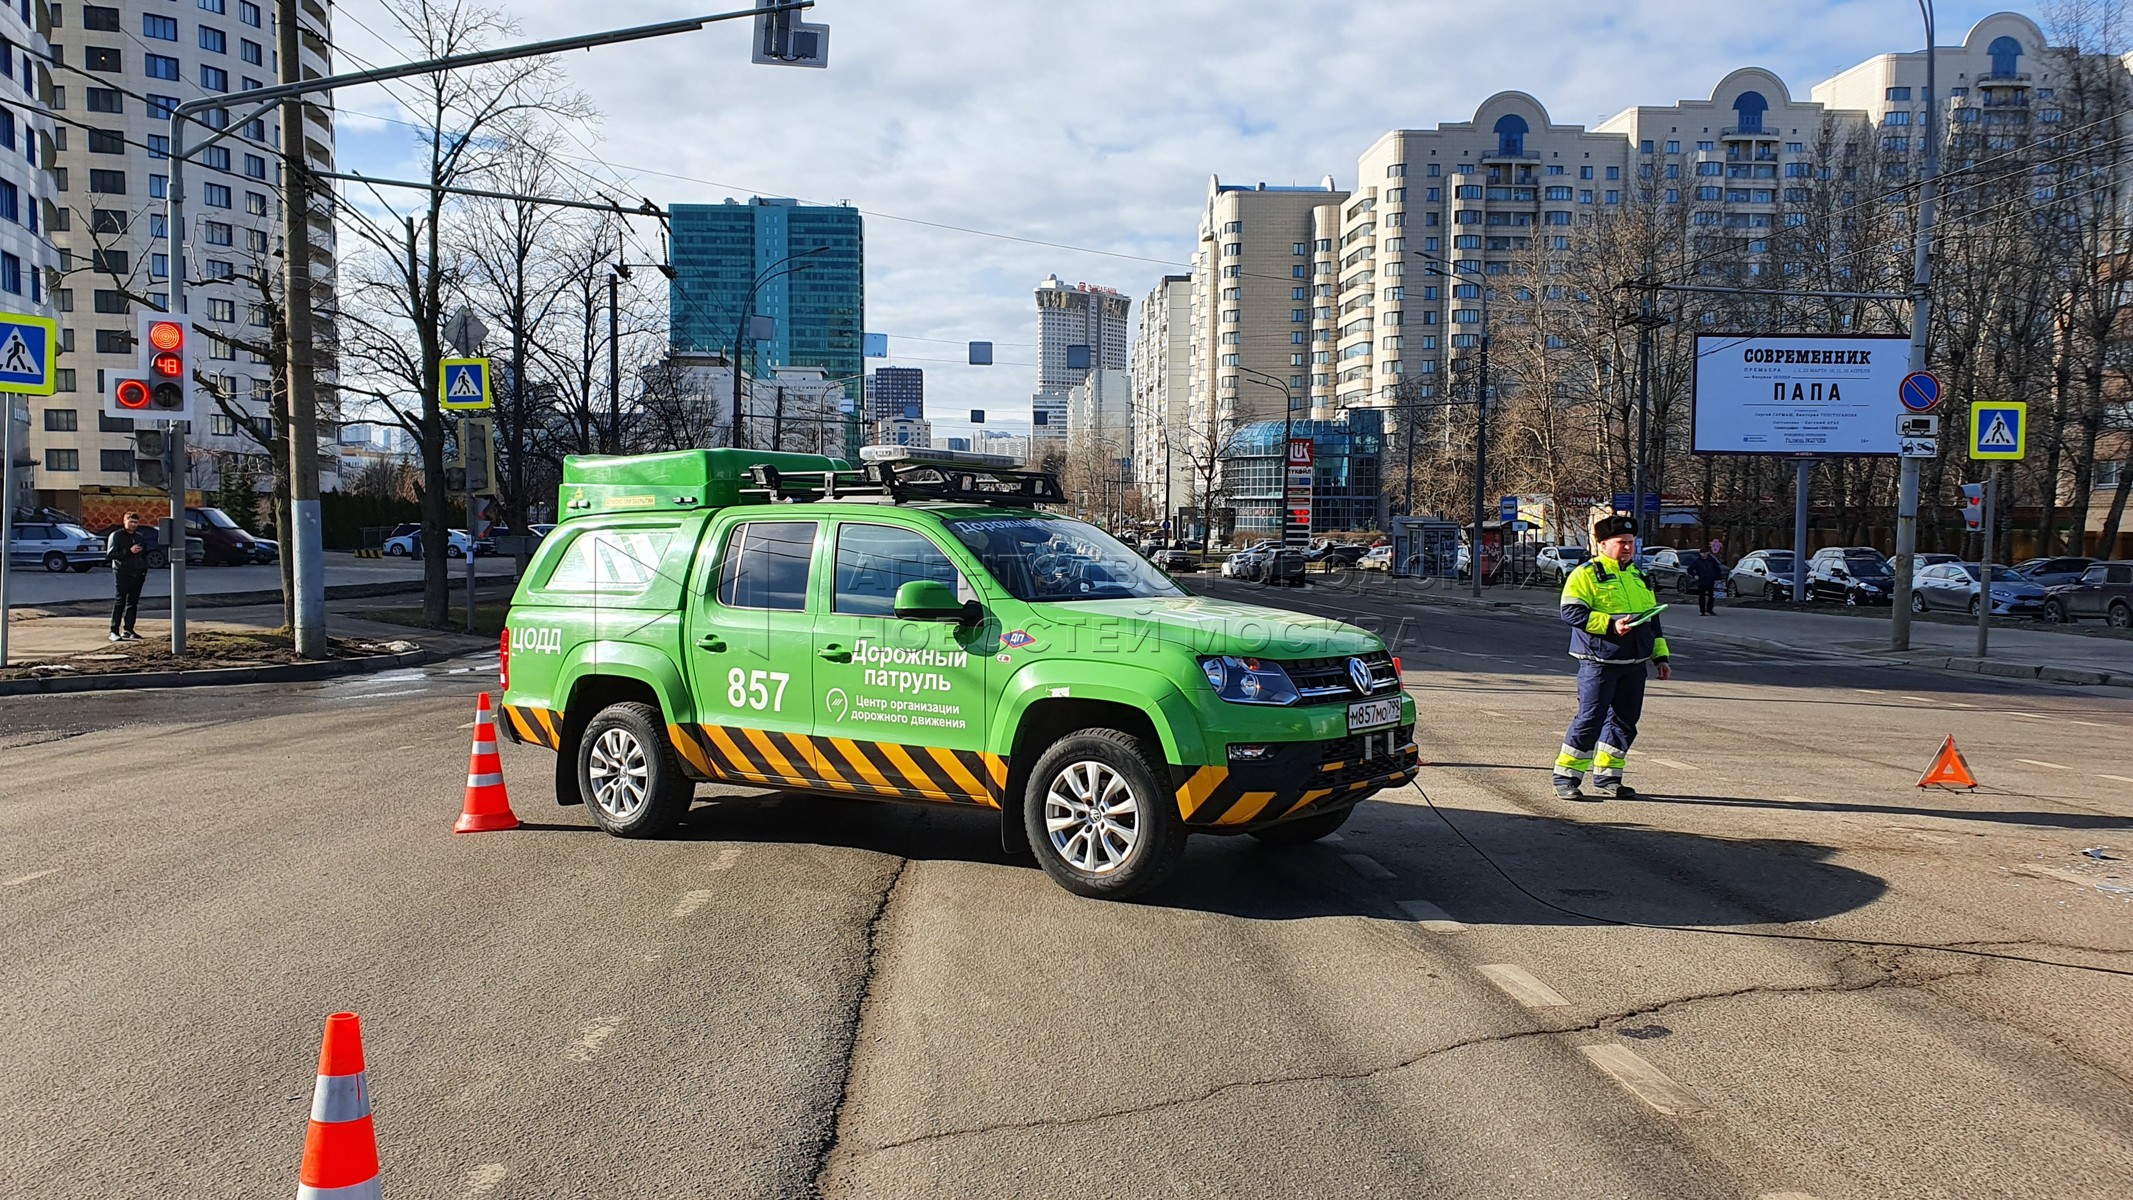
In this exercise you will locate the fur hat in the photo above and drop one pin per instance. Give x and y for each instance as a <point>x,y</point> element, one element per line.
<point>1618,525</point>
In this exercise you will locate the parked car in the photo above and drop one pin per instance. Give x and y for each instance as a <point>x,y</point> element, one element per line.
<point>1282,565</point>
<point>1555,563</point>
<point>1762,575</point>
<point>226,542</point>
<point>1919,563</point>
<point>1953,587</point>
<point>2104,590</point>
<point>1377,558</point>
<point>265,550</point>
<point>1852,575</point>
<point>1176,560</point>
<point>57,545</point>
<point>1672,568</point>
<point>1237,565</point>
<point>1330,552</point>
<point>2051,572</point>
<point>402,545</point>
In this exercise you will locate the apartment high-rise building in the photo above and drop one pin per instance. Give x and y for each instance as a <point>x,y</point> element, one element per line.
<point>1996,84</point>
<point>801,266</point>
<point>893,392</point>
<point>1081,328</point>
<point>26,191</point>
<point>1262,301</point>
<point>128,64</point>
<point>1099,422</point>
<point>1162,400</point>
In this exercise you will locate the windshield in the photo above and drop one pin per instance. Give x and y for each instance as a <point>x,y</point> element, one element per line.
<point>1571,554</point>
<point>218,518</point>
<point>1862,565</point>
<point>1045,558</point>
<point>1999,574</point>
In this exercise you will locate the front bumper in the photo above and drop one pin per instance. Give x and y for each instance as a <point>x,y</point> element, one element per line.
<point>1295,779</point>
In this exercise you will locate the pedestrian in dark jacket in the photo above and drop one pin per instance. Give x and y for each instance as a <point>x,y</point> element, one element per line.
<point>127,552</point>
<point>1707,572</point>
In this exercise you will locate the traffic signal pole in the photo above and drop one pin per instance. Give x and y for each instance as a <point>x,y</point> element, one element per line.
<point>305,538</point>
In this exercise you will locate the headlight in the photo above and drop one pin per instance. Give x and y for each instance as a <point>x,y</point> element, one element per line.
<point>1249,680</point>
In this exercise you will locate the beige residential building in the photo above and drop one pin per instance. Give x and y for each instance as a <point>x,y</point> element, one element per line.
<point>1256,282</point>
<point>1084,315</point>
<point>1162,401</point>
<point>136,60</point>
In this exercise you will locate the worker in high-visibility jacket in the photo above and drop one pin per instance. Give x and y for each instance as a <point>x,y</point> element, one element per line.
<point>1609,606</point>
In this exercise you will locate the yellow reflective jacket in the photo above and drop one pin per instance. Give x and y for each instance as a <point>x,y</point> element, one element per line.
<point>1593,596</point>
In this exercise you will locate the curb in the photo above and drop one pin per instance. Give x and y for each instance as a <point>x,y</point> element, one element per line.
<point>338,591</point>
<point>303,672</point>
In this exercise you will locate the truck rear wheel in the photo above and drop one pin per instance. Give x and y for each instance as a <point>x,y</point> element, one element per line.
<point>1303,830</point>
<point>1098,817</point>
<point>632,785</point>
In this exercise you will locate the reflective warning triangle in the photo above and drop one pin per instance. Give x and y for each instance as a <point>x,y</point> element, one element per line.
<point>1948,768</point>
<point>1998,433</point>
<point>16,357</point>
<point>464,385</point>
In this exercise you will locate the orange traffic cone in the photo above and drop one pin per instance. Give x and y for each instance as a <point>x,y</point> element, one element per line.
<point>488,806</point>
<point>1948,769</point>
<point>340,1148</point>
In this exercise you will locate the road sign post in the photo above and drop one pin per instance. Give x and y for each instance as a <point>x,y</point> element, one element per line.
<point>1999,432</point>
<point>26,345</point>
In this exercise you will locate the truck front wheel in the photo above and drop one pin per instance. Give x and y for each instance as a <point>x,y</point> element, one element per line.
<point>627,773</point>
<point>1099,820</point>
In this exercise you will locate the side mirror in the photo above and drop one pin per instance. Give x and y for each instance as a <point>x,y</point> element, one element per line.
<point>930,600</point>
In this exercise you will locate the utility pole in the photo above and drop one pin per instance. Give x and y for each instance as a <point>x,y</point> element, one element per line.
<point>1921,315</point>
<point>614,363</point>
<point>306,537</point>
<point>1481,448</point>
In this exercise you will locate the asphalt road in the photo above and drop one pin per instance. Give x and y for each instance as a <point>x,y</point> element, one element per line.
<point>797,995</point>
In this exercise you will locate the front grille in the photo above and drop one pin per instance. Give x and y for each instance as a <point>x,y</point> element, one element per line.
<point>1325,680</point>
<point>1362,756</point>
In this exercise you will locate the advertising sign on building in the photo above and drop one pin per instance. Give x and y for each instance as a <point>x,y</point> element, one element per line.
<point>1300,457</point>
<point>1811,396</point>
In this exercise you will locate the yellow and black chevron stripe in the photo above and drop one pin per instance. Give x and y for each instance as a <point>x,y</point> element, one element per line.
<point>534,726</point>
<point>1216,796</point>
<point>739,755</point>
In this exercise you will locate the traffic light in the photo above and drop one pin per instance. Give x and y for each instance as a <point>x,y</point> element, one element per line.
<point>129,398</point>
<point>149,449</point>
<point>1973,505</point>
<point>164,342</point>
<point>780,40</point>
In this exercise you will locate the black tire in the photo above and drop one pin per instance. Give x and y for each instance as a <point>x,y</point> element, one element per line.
<point>1773,594</point>
<point>1157,842</point>
<point>1851,599</point>
<point>2055,613</point>
<point>1973,605</point>
<point>1918,601</point>
<point>82,568</point>
<point>2120,616</point>
<point>396,552</point>
<point>158,560</point>
<point>629,739</point>
<point>1304,830</point>
<point>55,562</point>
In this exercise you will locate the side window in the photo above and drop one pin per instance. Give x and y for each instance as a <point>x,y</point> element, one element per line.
<point>874,560</point>
<point>619,562</point>
<point>766,565</point>
<point>2121,575</point>
<point>2093,575</point>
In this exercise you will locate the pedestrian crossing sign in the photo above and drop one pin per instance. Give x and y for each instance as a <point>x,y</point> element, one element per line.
<point>463,383</point>
<point>26,345</point>
<point>1999,429</point>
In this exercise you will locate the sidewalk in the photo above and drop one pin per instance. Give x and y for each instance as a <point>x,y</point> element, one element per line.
<point>49,639</point>
<point>2016,648</point>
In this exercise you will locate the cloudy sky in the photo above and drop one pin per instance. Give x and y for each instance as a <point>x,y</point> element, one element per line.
<point>991,142</point>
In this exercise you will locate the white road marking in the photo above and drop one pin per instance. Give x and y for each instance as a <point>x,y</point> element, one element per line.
<point>30,878</point>
<point>1645,1081</point>
<point>2028,716</point>
<point>1873,691</point>
<point>1490,712</point>
<point>1670,763</point>
<point>1785,1196</point>
<point>1798,800</point>
<point>2038,762</point>
<point>2115,778</point>
<point>377,695</point>
<point>1430,917</point>
<point>1940,703</point>
<point>482,1180</point>
<point>1520,985</point>
<point>590,1039</point>
<point>1366,866</point>
<point>2089,724</point>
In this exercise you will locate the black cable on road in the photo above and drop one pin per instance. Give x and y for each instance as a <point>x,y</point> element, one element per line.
<point>1750,933</point>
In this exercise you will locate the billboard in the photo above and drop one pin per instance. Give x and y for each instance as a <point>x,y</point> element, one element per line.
<point>1810,395</point>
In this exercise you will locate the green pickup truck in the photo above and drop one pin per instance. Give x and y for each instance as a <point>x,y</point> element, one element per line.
<point>927,631</point>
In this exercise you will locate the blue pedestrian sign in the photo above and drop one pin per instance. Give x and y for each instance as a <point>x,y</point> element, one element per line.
<point>1999,429</point>
<point>463,383</point>
<point>26,345</point>
<point>1919,391</point>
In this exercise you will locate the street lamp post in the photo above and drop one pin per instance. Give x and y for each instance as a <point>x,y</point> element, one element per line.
<point>1451,271</point>
<point>1281,458</point>
<point>784,266</point>
<point>1921,311</point>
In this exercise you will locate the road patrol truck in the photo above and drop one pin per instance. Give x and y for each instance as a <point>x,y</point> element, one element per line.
<point>930,631</point>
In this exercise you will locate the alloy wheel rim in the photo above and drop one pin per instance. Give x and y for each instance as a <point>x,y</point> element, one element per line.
<point>1092,817</point>
<point>620,776</point>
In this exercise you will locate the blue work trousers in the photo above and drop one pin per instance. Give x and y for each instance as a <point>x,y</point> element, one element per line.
<point>1610,699</point>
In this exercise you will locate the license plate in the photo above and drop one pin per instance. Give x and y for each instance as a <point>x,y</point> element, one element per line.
<point>1371,714</point>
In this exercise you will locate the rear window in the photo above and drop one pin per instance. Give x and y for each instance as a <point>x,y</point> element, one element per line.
<point>2120,575</point>
<point>766,565</point>
<point>619,562</point>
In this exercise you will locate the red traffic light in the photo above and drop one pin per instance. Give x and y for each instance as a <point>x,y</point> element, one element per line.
<point>168,365</point>
<point>131,393</point>
<point>166,335</point>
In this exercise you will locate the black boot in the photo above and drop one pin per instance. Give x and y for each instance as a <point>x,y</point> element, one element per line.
<point>1566,788</point>
<point>1613,789</point>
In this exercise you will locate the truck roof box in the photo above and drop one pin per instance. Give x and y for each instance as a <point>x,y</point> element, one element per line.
<point>680,480</point>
